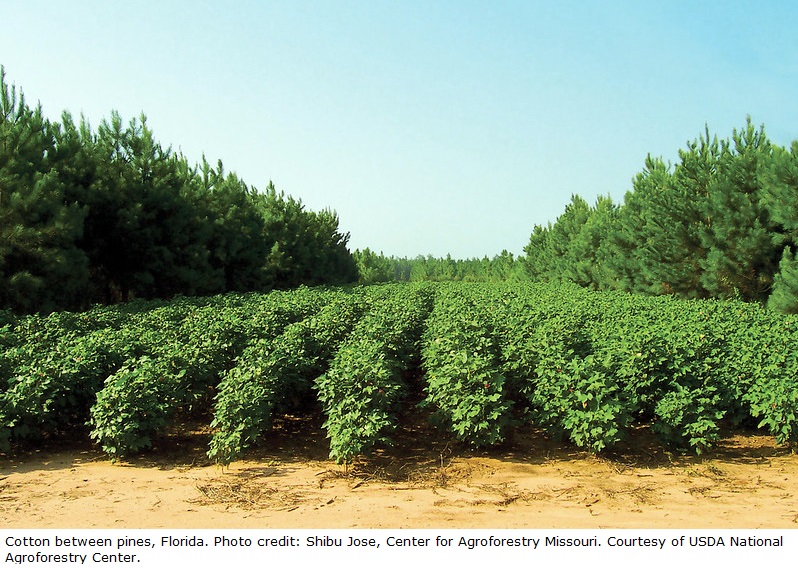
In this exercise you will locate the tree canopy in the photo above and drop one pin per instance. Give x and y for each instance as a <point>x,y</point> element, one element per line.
<point>99,216</point>
<point>720,223</point>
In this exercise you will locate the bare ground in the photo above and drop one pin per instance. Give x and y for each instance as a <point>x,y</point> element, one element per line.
<point>423,482</point>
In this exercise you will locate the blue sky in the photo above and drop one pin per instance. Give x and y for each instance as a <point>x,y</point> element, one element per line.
<point>430,127</point>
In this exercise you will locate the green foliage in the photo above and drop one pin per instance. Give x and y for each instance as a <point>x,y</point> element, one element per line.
<point>580,397</point>
<point>584,365</point>
<point>780,192</point>
<point>52,387</point>
<point>715,225</point>
<point>108,216</point>
<point>573,391</point>
<point>785,285</point>
<point>364,386</point>
<point>41,267</point>
<point>130,409</point>
<point>358,394</point>
<point>741,255</point>
<point>188,350</point>
<point>465,385</point>
<point>305,247</point>
<point>277,374</point>
<point>773,391</point>
<point>374,268</point>
<point>689,417</point>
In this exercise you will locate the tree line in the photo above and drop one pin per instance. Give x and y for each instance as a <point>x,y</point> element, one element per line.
<point>100,216</point>
<point>107,215</point>
<point>376,267</point>
<point>722,222</point>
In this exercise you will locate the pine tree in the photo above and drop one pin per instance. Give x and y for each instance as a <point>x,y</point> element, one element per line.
<point>236,243</point>
<point>145,236</point>
<point>41,268</point>
<point>780,198</point>
<point>785,286</point>
<point>588,252</point>
<point>563,236</point>
<point>305,247</point>
<point>549,254</point>
<point>780,192</point>
<point>536,259</point>
<point>741,258</point>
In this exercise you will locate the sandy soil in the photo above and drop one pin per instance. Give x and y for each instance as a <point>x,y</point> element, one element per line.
<point>747,482</point>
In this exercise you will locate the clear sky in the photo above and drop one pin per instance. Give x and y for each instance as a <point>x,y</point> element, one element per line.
<point>431,127</point>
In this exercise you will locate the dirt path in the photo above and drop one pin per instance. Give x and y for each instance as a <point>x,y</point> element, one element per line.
<point>747,482</point>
